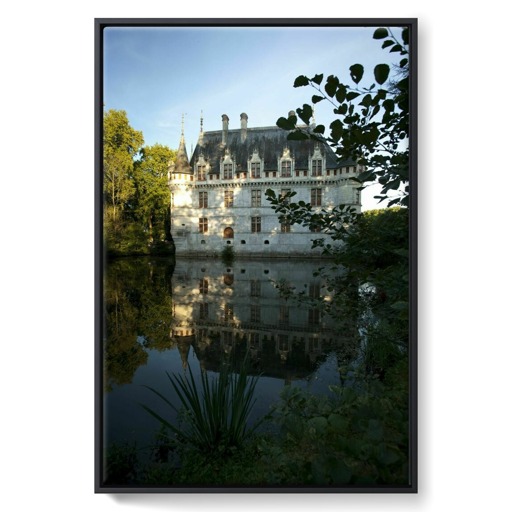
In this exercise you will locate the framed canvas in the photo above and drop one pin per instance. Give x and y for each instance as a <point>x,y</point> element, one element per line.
<point>256,276</point>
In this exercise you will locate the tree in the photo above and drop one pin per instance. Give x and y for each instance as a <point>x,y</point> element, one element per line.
<point>372,124</point>
<point>121,143</point>
<point>372,129</point>
<point>152,198</point>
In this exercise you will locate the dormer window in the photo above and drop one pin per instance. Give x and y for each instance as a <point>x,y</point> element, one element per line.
<point>202,168</point>
<point>286,164</point>
<point>286,168</point>
<point>255,169</point>
<point>227,166</point>
<point>316,167</point>
<point>255,164</point>
<point>317,162</point>
<point>228,171</point>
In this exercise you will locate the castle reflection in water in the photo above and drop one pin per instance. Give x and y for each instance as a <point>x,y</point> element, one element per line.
<point>237,310</point>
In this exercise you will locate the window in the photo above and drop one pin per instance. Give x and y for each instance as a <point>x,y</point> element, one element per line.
<point>228,171</point>
<point>255,198</point>
<point>255,170</point>
<point>203,286</point>
<point>285,191</point>
<point>286,168</point>
<point>228,198</point>
<point>284,314</point>
<point>314,316</point>
<point>203,310</point>
<point>314,291</point>
<point>316,167</point>
<point>316,197</point>
<point>228,313</point>
<point>201,173</point>
<point>255,314</point>
<point>255,288</point>
<point>203,199</point>
<point>203,225</point>
<point>256,224</point>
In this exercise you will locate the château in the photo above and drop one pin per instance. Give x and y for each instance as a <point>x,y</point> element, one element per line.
<point>218,195</point>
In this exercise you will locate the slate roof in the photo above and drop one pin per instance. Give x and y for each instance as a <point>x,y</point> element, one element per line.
<point>270,142</point>
<point>182,164</point>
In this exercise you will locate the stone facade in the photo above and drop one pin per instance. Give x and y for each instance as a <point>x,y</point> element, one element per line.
<point>218,196</point>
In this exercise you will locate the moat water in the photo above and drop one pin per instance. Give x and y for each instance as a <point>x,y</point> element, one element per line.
<point>190,316</point>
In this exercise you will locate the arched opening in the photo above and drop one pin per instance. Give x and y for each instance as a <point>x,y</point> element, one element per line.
<point>228,233</point>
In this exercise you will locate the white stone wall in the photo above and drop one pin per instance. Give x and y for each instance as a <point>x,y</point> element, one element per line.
<point>185,213</point>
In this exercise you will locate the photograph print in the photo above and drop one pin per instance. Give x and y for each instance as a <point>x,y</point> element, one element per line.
<point>256,289</point>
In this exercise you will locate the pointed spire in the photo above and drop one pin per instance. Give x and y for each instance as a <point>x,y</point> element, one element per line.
<point>200,142</point>
<point>182,162</point>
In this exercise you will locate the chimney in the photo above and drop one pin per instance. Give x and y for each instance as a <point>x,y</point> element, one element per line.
<point>243,126</point>
<point>225,124</point>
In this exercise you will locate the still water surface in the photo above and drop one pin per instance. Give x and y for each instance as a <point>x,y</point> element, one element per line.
<point>191,316</point>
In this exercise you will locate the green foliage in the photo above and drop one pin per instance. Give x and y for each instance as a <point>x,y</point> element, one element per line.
<point>228,255</point>
<point>136,195</point>
<point>137,301</point>
<point>151,206</point>
<point>372,131</point>
<point>216,410</point>
<point>358,435</point>
<point>120,464</point>
<point>121,143</point>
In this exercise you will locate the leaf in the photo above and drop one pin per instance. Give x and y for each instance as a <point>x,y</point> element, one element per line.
<point>387,42</point>
<point>300,81</point>
<point>336,129</point>
<point>318,79</point>
<point>317,99</point>
<point>352,95</point>
<point>366,100</point>
<point>376,110</point>
<point>331,85</point>
<point>305,113</point>
<point>405,35</point>
<point>381,73</point>
<point>404,62</point>
<point>396,48</point>
<point>319,129</point>
<point>380,33</point>
<point>319,423</point>
<point>286,124</point>
<point>341,93</point>
<point>298,135</point>
<point>356,72</point>
<point>389,105</point>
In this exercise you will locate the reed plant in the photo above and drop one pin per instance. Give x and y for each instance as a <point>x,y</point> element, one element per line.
<point>216,410</point>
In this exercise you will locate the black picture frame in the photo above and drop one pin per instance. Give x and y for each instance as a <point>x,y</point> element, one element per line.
<point>99,25</point>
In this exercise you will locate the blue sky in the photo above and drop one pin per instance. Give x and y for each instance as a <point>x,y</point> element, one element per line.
<point>156,74</point>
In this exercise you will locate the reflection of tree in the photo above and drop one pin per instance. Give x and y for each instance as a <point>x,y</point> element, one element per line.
<point>138,315</point>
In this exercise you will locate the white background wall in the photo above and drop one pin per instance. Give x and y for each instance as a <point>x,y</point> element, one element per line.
<point>47,279</point>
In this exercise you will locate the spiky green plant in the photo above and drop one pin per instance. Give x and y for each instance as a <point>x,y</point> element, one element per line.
<point>216,410</point>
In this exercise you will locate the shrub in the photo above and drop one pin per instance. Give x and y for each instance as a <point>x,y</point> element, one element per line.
<point>216,410</point>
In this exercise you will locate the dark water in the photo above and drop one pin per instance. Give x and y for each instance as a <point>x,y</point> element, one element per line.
<point>191,316</point>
